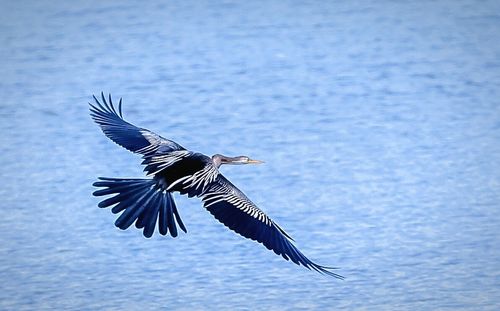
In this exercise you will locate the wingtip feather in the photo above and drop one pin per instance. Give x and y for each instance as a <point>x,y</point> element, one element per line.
<point>120,107</point>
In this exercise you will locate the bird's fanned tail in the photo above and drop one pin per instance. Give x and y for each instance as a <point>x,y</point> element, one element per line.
<point>142,202</point>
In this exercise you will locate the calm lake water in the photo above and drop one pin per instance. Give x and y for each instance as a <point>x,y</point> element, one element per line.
<point>379,122</point>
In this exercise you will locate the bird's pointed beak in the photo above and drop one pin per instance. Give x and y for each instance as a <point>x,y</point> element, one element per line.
<point>251,161</point>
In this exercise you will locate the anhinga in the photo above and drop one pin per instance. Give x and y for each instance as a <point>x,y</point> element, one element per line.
<point>172,168</point>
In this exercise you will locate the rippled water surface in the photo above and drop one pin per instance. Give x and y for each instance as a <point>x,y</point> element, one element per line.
<point>379,123</point>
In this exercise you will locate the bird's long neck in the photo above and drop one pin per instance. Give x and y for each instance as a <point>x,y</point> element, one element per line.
<point>220,159</point>
<point>217,159</point>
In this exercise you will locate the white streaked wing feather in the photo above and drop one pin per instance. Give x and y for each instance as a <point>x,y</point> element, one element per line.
<point>226,192</point>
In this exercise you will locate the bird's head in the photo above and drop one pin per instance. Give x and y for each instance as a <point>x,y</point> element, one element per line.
<point>220,159</point>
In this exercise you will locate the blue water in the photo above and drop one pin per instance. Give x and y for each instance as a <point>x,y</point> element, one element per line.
<point>379,123</point>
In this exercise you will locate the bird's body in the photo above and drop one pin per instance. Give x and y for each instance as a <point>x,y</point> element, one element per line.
<point>171,168</point>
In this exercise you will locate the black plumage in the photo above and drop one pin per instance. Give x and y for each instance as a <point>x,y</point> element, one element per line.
<point>172,168</point>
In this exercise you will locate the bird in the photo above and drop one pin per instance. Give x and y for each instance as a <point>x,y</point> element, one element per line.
<point>171,168</point>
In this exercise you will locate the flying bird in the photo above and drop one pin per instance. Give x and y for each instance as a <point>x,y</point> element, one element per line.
<point>171,168</point>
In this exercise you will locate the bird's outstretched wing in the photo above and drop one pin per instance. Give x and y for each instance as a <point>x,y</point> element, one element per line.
<point>232,208</point>
<point>129,136</point>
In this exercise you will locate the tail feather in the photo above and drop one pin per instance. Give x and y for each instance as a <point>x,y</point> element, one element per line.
<point>129,201</point>
<point>142,202</point>
<point>176,214</point>
<point>170,220</point>
<point>114,189</point>
<point>151,217</point>
<point>121,197</point>
<point>142,221</point>
<point>162,225</point>
<point>133,212</point>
